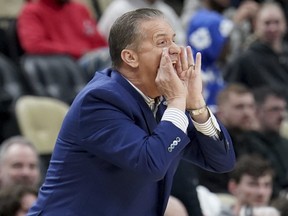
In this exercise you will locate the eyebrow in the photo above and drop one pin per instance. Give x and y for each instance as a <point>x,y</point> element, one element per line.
<point>164,35</point>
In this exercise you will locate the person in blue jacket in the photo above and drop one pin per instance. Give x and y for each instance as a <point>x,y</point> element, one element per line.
<point>127,130</point>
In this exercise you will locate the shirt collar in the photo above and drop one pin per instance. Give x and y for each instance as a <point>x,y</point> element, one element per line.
<point>152,103</point>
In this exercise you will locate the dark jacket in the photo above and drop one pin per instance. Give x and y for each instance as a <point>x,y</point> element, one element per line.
<point>112,158</point>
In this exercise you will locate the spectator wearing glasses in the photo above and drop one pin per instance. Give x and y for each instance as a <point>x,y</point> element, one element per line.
<point>271,111</point>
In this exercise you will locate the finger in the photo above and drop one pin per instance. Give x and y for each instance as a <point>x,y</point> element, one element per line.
<point>166,67</point>
<point>183,59</point>
<point>165,61</point>
<point>189,56</point>
<point>198,62</point>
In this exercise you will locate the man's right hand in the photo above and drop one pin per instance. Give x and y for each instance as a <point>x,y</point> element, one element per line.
<point>169,83</point>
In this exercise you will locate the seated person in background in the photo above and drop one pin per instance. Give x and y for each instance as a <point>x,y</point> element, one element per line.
<point>265,62</point>
<point>236,110</point>
<point>58,27</point>
<point>208,32</point>
<point>17,200</point>
<point>19,163</point>
<point>271,111</point>
<point>250,183</point>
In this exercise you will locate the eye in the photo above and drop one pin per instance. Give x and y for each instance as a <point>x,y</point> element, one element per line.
<point>162,42</point>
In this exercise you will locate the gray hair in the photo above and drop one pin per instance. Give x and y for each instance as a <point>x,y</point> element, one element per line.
<point>20,140</point>
<point>125,31</point>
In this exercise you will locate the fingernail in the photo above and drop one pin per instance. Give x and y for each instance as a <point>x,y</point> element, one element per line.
<point>165,50</point>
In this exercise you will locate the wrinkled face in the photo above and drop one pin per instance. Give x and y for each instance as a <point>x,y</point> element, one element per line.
<point>238,111</point>
<point>26,203</point>
<point>253,191</point>
<point>20,166</point>
<point>158,34</point>
<point>272,113</point>
<point>270,25</point>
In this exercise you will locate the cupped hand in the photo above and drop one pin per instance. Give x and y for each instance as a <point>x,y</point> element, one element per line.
<point>169,83</point>
<point>189,71</point>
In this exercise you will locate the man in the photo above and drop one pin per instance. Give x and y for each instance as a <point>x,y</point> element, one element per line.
<point>120,143</point>
<point>271,111</point>
<point>19,163</point>
<point>265,62</point>
<point>250,183</point>
<point>236,110</point>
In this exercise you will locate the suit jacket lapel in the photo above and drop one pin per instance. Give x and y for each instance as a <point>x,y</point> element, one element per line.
<point>146,111</point>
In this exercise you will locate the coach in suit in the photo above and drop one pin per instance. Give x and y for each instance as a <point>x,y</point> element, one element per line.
<point>126,131</point>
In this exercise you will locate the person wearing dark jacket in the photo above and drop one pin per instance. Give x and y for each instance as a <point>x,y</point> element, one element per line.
<point>126,131</point>
<point>265,62</point>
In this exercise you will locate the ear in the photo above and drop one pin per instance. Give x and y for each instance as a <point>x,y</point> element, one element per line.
<point>232,187</point>
<point>130,57</point>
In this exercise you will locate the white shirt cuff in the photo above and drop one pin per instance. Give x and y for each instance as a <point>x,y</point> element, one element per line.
<point>210,128</point>
<point>177,117</point>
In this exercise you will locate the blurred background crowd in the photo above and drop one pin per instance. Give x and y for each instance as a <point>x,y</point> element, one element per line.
<point>49,49</point>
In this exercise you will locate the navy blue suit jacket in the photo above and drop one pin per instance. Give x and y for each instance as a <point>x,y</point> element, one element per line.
<point>113,158</point>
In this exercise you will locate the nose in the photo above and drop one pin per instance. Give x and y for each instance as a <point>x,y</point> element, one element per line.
<point>174,49</point>
<point>26,171</point>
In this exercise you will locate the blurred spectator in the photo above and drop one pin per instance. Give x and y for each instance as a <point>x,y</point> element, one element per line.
<point>19,163</point>
<point>236,110</point>
<point>267,141</point>
<point>266,60</point>
<point>250,183</point>
<point>58,27</point>
<point>119,7</point>
<point>208,32</point>
<point>242,16</point>
<point>16,200</point>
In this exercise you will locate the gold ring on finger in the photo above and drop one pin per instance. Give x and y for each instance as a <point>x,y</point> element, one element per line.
<point>192,65</point>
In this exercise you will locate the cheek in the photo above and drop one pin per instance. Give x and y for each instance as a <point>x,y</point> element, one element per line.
<point>246,191</point>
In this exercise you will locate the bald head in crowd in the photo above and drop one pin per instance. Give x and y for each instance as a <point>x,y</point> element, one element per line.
<point>19,163</point>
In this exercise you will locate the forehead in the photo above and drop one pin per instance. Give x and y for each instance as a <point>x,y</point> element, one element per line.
<point>261,179</point>
<point>156,28</point>
<point>240,97</point>
<point>271,100</point>
<point>20,152</point>
<point>270,13</point>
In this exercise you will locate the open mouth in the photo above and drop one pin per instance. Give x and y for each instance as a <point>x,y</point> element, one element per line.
<point>174,64</point>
